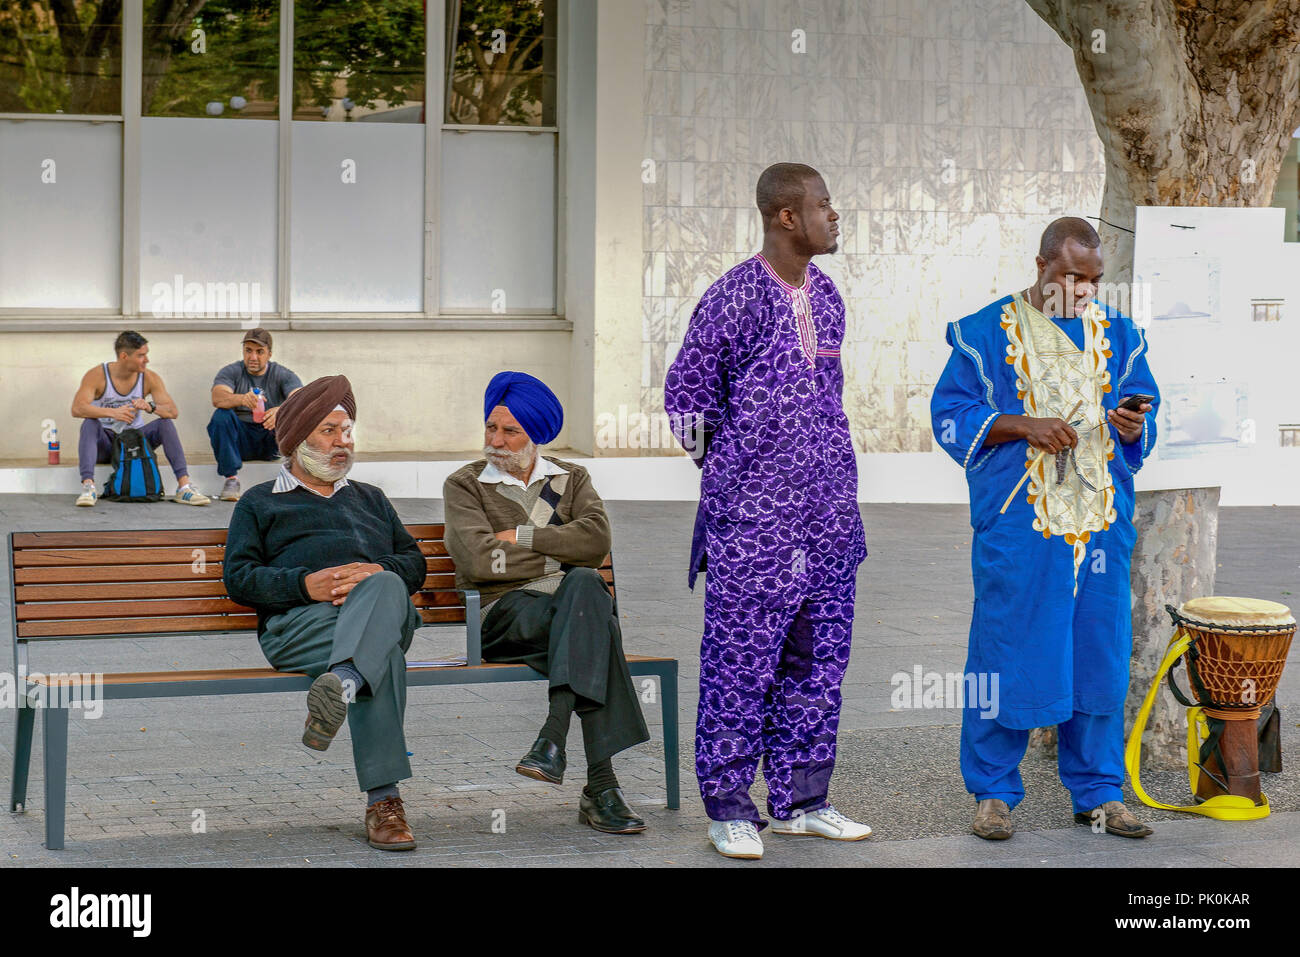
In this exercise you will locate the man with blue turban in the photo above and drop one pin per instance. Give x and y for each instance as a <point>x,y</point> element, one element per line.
<point>529,532</point>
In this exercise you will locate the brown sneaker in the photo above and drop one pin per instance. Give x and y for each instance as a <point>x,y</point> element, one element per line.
<point>993,820</point>
<point>1116,818</point>
<point>386,826</point>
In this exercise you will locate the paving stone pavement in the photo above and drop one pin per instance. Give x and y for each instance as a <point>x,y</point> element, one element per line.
<point>139,774</point>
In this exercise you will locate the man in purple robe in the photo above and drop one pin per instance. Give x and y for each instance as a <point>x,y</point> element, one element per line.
<point>755,395</point>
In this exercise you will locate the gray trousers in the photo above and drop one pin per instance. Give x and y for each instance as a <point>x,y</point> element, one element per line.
<point>374,627</point>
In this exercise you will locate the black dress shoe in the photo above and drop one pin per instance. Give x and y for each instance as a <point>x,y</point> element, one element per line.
<point>608,812</point>
<point>543,762</point>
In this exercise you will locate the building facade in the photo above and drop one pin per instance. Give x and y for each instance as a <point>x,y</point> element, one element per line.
<point>564,225</point>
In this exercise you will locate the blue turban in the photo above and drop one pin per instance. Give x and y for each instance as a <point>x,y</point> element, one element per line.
<point>529,401</point>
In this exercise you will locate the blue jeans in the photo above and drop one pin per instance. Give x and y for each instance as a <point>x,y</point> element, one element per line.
<point>234,441</point>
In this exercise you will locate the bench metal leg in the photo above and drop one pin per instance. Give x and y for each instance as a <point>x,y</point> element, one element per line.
<point>672,761</point>
<point>55,741</point>
<point>22,757</point>
<point>473,630</point>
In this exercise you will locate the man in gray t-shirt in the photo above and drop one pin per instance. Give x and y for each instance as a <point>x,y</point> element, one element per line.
<point>236,435</point>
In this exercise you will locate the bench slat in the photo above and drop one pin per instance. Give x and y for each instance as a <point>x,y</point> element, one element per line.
<point>179,537</point>
<point>192,587</point>
<point>49,611</point>
<point>116,573</point>
<point>41,558</point>
<point>82,592</point>
<point>136,626</point>
<point>121,610</point>
<point>435,616</point>
<point>437,598</point>
<point>418,532</point>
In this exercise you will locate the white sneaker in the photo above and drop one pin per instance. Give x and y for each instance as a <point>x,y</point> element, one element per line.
<point>736,839</point>
<point>88,496</point>
<point>230,491</point>
<point>189,495</point>
<point>827,822</point>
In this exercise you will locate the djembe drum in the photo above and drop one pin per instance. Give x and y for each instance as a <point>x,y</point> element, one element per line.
<point>1234,659</point>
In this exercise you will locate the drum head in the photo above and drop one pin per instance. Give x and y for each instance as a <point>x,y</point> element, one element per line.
<point>1238,612</point>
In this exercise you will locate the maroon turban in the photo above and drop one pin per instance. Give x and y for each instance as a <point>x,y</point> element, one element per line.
<point>301,413</point>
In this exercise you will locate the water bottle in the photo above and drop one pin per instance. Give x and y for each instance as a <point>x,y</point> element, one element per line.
<point>54,446</point>
<point>259,412</point>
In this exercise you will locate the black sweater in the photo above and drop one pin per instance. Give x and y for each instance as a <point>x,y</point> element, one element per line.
<point>276,541</point>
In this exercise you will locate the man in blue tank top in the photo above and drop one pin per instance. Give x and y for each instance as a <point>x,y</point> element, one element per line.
<point>115,396</point>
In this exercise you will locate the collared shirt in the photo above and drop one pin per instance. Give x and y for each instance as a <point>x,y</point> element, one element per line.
<point>286,481</point>
<point>492,475</point>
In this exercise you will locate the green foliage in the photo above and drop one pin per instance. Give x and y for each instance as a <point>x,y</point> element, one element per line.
<point>497,87</point>
<point>237,53</point>
<point>376,45</point>
<point>35,73</point>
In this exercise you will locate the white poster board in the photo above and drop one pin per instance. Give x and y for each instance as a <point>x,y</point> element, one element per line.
<point>1218,294</point>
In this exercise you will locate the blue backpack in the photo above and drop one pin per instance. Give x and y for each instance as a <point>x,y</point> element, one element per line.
<point>135,475</point>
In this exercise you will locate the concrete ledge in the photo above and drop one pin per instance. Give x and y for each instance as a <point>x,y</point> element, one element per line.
<point>1266,478</point>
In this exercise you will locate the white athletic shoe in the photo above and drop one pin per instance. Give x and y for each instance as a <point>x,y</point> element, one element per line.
<point>88,496</point>
<point>230,490</point>
<point>189,495</point>
<point>827,822</point>
<point>736,839</point>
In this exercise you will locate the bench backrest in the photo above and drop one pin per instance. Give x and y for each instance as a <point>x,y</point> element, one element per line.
<point>122,584</point>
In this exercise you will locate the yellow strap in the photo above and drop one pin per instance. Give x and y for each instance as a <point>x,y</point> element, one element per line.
<point>1222,807</point>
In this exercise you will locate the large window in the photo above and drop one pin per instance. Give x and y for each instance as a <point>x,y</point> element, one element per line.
<point>337,192</point>
<point>208,186</point>
<point>357,203</point>
<point>499,152</point>
<point>60,178</point>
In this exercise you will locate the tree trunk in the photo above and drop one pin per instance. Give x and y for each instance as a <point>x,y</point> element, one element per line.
<point>1194,102</point>
<point>1174,560</point>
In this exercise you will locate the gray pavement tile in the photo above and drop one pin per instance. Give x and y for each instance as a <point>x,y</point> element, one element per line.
<point>897,768</point>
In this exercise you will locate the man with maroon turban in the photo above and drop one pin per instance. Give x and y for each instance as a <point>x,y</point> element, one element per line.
<point>330,569</point>
<point>528,532</point>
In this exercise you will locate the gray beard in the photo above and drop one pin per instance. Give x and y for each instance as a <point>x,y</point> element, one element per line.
<point>317,464</point>
<point>510,462</point>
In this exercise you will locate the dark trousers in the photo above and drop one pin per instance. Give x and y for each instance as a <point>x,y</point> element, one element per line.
<point>234,441</point>
<point>573,638</point>
<point>95,445</point>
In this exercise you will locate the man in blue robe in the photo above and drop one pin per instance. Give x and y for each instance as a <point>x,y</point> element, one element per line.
<point>1052,615</point>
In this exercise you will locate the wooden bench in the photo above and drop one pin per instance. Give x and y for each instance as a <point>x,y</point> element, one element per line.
<point>167,583</point>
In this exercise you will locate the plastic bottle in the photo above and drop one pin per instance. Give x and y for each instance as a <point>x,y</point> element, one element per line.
<point>259,412</point>
<point>54,446</point>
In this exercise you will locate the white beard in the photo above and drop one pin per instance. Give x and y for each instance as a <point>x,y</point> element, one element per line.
<point>317,464</point>
<point>510,462</point>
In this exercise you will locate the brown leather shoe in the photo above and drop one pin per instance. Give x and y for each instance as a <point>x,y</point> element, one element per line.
<point>386,826</point>
<point>993,820</point>
<point>1117,819</point>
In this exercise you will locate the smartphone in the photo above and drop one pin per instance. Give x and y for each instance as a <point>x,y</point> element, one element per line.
<point>1135,402</point>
